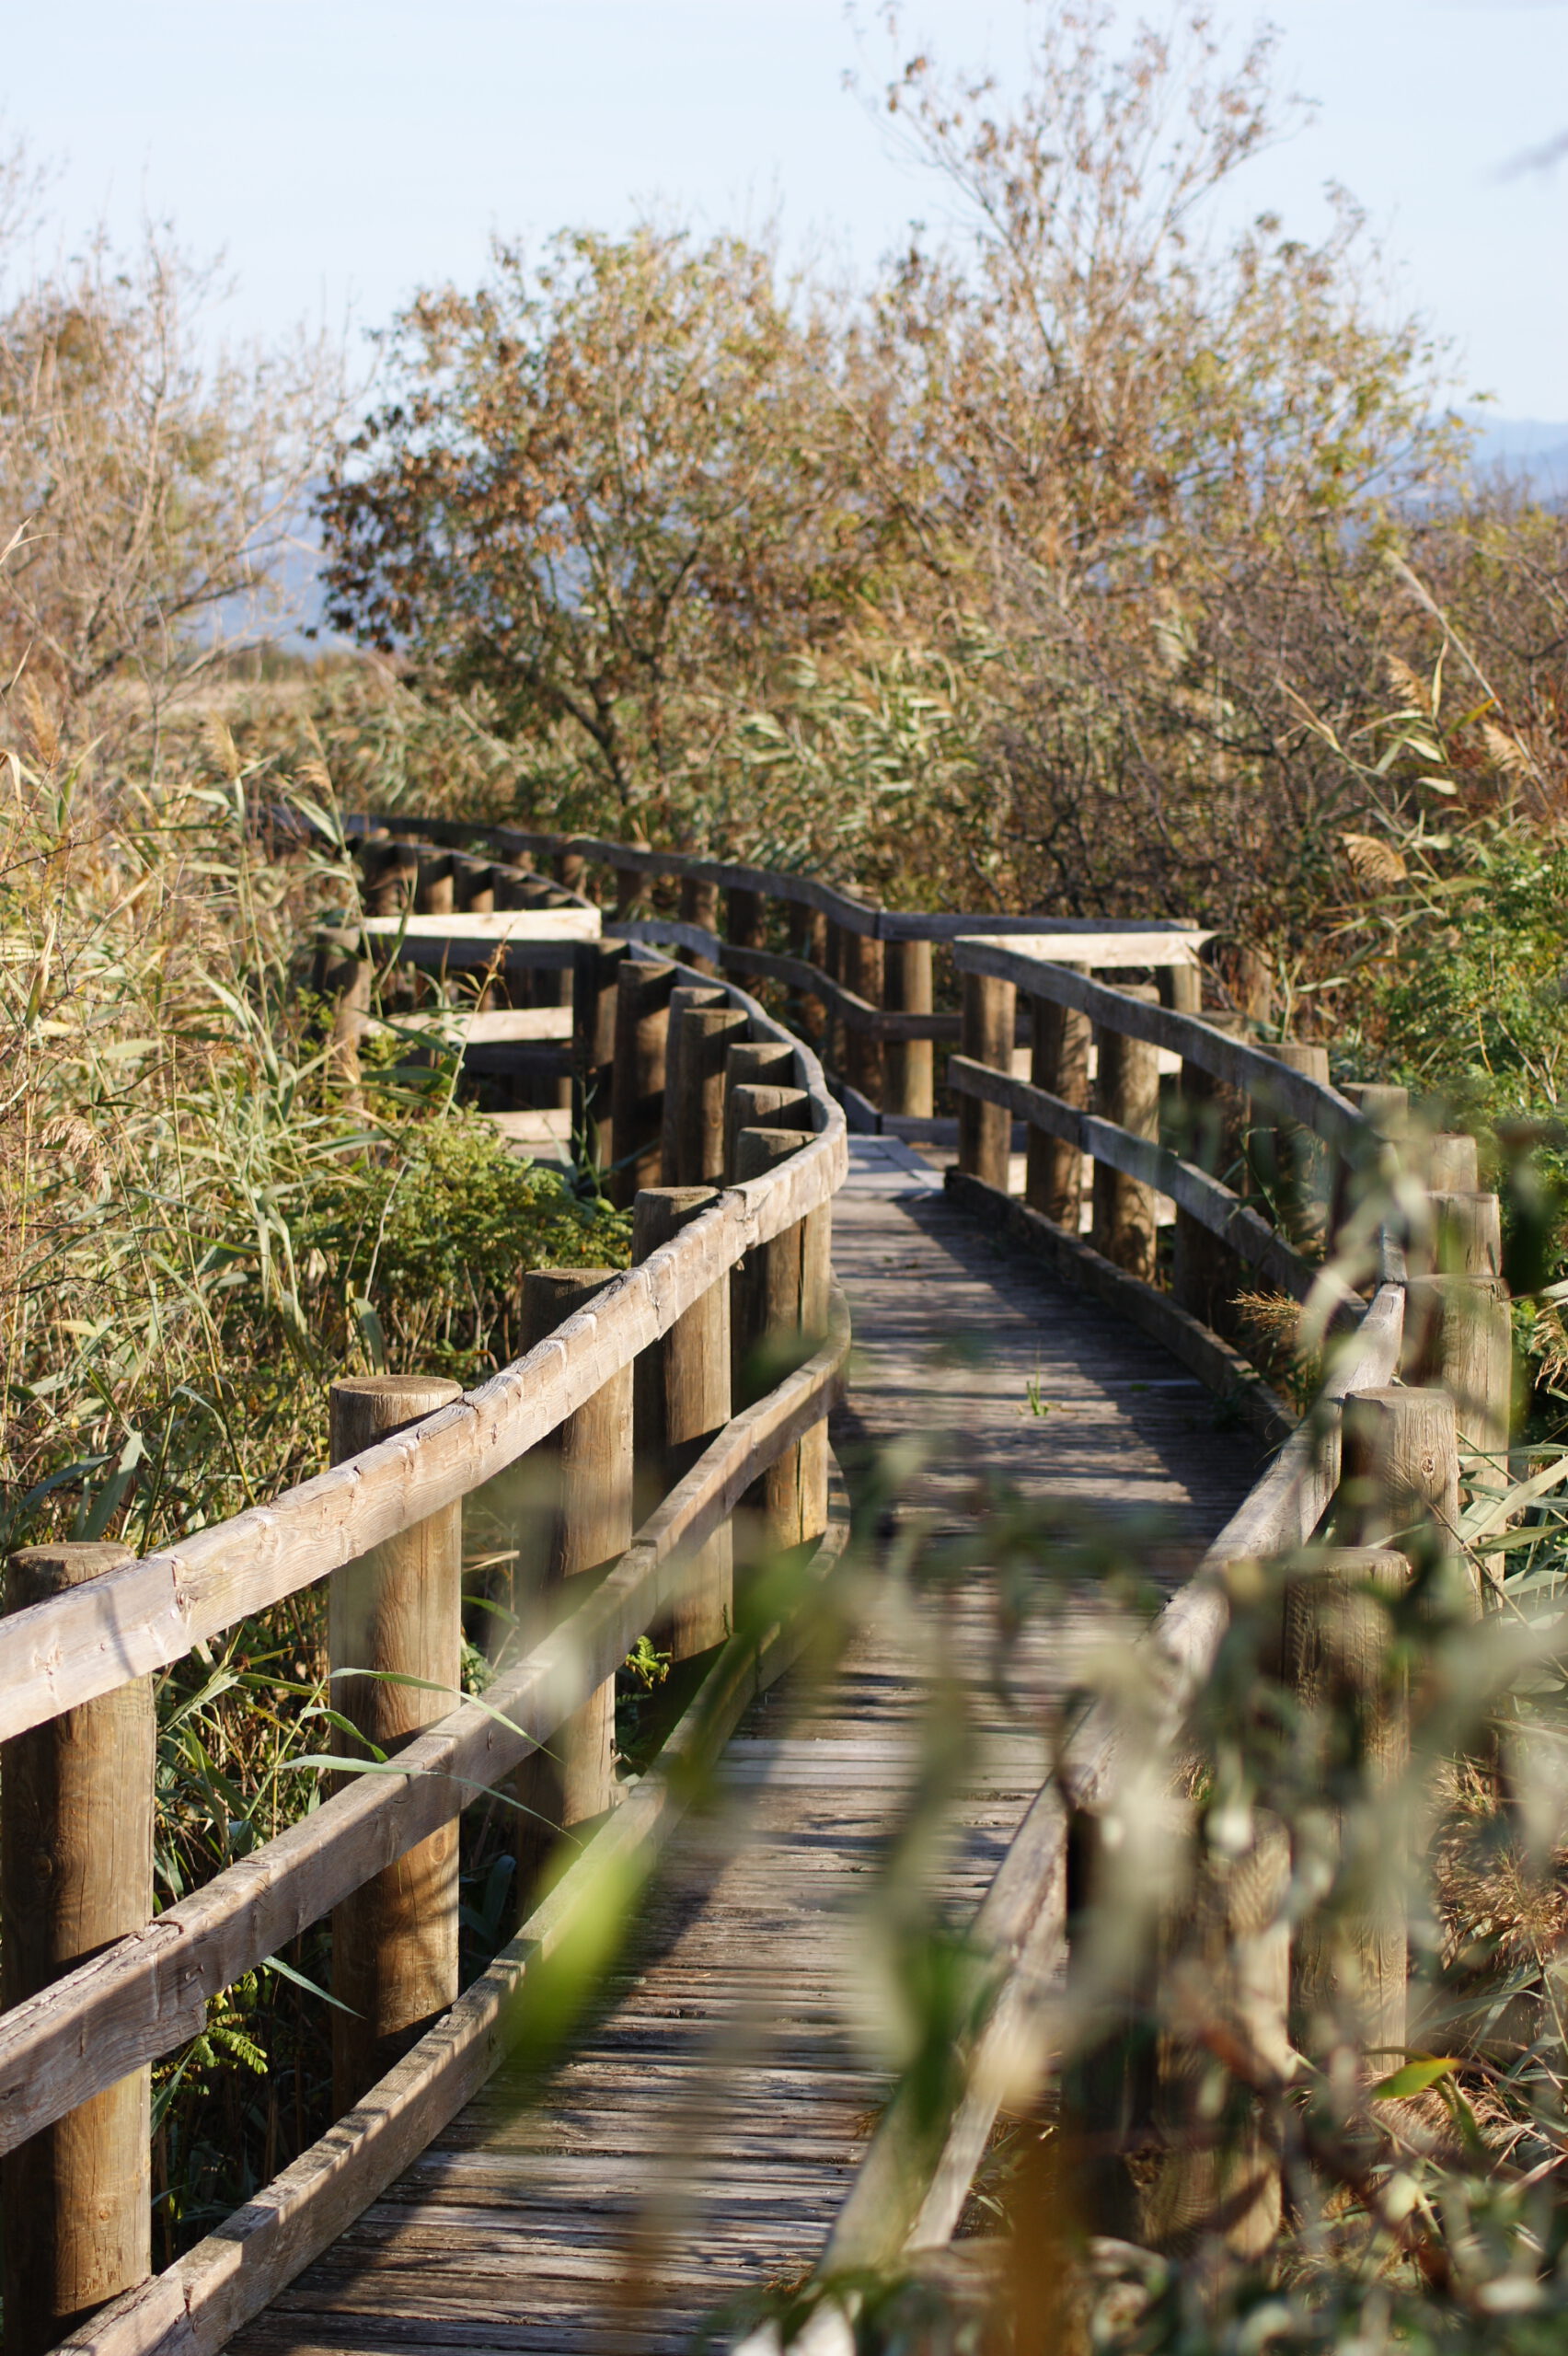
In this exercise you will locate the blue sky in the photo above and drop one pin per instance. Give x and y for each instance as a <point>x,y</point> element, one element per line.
<point>341,152</point>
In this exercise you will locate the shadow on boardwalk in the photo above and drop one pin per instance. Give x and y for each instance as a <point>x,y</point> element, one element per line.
<point>700,2141</point>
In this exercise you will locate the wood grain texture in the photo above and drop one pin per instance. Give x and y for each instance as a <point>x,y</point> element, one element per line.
<point>76,1874</point>
<point>394,1614</point>
<point>708,2130</point>
<point>148,1992</point>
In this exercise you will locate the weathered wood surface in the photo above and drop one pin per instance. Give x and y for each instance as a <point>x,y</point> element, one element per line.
<point>1323,1110</point>
<point>59,1653</point>
<point>707,2134</point>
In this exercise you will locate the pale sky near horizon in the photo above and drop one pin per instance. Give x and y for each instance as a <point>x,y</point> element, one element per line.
<point>341,153</point>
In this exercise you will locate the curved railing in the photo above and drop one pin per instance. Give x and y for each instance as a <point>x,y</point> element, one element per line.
<point>1166,1129</point>
<point>89,1646</point>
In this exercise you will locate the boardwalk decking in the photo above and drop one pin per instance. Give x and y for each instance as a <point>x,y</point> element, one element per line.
<point>703,2136</point>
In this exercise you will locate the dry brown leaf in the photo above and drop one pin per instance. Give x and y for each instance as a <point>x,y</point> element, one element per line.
<point>1373,861</point>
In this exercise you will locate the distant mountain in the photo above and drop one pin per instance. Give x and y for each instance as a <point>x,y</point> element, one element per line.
<point>1523,445</point>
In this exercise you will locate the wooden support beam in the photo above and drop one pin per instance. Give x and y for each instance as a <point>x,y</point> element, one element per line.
<point>707,1035</point>
<point>637,1091</point>
<point>588,1524</point>
<point>864,973</point>
<point>1351,1961</point>
<point>984,1131</point>
<point>699,905</point>
<point>909,1079</point>
<point>1127,1090</point>
<point>745,918</point>
<point>777,1298</point>
<point>1054,1172</point>
<point>75,1875</point>
<point>676,1123</point>
<point>395,1613</point>
<point>594,996</point>
<point>681,1401</point>
<point>1399,1486</point>
<point>753,1104</point>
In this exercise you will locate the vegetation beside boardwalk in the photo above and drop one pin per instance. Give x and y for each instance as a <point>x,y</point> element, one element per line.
<point>1087,560</point>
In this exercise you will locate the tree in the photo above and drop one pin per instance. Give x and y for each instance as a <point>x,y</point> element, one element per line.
<point>607,494</point>
<point>1162,460</point>
<point>152,483</point>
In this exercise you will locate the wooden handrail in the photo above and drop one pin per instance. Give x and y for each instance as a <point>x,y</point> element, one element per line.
<point>1330,1115</point>
<point>67,1650</point>
<point>910,2187</point>
<point>149,1991</point>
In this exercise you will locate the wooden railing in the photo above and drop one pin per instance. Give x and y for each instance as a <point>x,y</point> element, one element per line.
<point>718,1122</point>
<point>731,1274</point>
<point>862,982</point>
<point>1383,1237</point>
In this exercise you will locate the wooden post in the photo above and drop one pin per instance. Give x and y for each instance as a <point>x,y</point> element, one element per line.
<point>699,906</point>
<point>75,1873</point>
<point>1458,1336</point>
<point>569,868</point>
<point>677,1117</point>
<point>1224,1983</point>
<point>1385,1111</point>
<point>389,886</point>
<point>595,967</point>
<point>757,1104</point>
<point>343,976</point>
<point>1400,1483</point>
<point>908,1072</point>
<point>1059,1043</point>
<point>707,1035</point>
<point>833,966</point>
<point>589,1523</point>
<point>1452,1166</point>
<point>779,1307</point>
<point>1210,1977</point>
<point>770,1062</point>
<point>864,974</point>
<point>435,889</point>
<point>1205,1274</point>
<point>808,940</point>
<point>637,1087</point>
<point>681,1401</point>
<point>634,894</point>
<point>745,918</point>
<point>984,1131</point>
<point>1181,988</point>
<point>1127,1090</point>
<point>1293,1162</point>
<point>1469,1234</point>
<point>395,1612</point>
<point>1350,1970</point>
<point>477,884</point>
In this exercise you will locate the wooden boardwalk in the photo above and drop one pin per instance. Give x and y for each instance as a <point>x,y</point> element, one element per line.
<point>701,2140</point>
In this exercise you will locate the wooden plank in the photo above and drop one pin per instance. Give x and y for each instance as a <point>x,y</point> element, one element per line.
<point>487,928</point>
<point>911,2187</point>
<point>1215,1206</point>
<point>200,2301</point>
<point>145,1993</point>
<point>58,1654</point>
<point>1323,1110</point>
<point>1216,1365</point>
<point>489,1027</point>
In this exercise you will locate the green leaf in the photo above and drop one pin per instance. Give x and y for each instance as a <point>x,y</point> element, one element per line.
<point>1416,2077</point>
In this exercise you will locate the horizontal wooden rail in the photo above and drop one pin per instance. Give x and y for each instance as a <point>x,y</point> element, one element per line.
<point>198,2304</point>
<point>149,1992</point>
<point>910,2187</point>
<point>806,891</point>
<point>58,1654</point>
<point>1216,1206</point>
<point>1330,1115</point>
